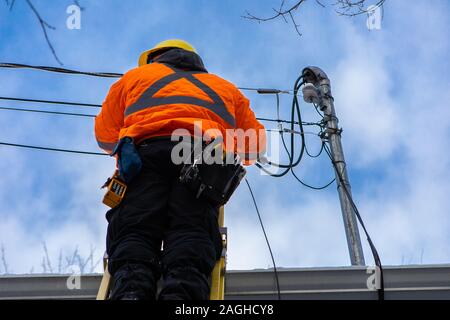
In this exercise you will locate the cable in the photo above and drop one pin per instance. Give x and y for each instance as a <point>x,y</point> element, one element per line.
<point>297,178</point>
<point>294,111</point>
<point>315,155</point>
<point>376,257</point>
<point>316,107</point>
<point>52,149</point>
<point>294,132</point>
<point>266,91</point>
<point>52,102</point>
<point>62,70</point>
<point>93,116</point>
<point>267,240</point>
<point>288,121</point>
<point>290,167</point>
<point>49,112</point>
<point>312,187</point>
<point>99,106</point>
<point>116,75</point>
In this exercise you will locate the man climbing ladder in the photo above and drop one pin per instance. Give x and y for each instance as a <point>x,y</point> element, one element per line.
<point>164,213</point>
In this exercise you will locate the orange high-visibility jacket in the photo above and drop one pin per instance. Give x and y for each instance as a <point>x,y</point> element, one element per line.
<point>155,99</point>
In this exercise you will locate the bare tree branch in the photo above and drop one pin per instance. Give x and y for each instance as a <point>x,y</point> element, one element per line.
<point>47,257</point>
<point>60,262</point>
<point>85,265</point>
<point>320,3</point>
<point>94,265</point>
<point>78,4</point>
<point>71,261</point>
<point>5,265</point>
<point>281,12</point>
<point>278,12</point>
<point>345,8</point>
<point>43,265</point>
<point>44,25</point>
<point>294,23</point>
<point>10,4</point>
<point>351,8</point>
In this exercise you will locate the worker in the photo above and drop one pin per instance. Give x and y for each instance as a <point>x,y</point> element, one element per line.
<point>161,228</point>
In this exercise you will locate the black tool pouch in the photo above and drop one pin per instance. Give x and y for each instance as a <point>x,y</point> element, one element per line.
<point>213,182</point>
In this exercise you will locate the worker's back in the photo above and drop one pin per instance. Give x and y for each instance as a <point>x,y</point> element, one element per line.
<point>174,92</point>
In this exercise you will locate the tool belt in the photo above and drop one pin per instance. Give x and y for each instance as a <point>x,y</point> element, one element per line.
<point>214,182</point>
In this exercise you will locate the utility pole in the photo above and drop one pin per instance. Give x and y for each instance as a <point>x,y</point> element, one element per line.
<point>324,98</point>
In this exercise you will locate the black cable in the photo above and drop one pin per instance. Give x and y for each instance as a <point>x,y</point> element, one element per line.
<point>320,134</point>
<point>292,165</point>
<point>310,186</point>
<point>266,90</point>
<point>62,70</point>
<point>288,121</point>
<point>294,111</point>
<point>314,155</point>
<point>52,149</point>
<point>73,114</point>
<point>317,110</point>
<point>52,102</point>
<point>267,240</point>
<point>49,112</point>
<point>116,75</point>
<point>280,126</point>
<point>99,106</point>
<point>297,178</point>
<point>376,257</point>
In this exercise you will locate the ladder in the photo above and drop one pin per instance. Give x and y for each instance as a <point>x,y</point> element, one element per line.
<point>217,275</point>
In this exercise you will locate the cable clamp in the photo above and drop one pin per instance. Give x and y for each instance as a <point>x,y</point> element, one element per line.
<point>337,131</point>
<point>280,125</point>
<point>292,131</point>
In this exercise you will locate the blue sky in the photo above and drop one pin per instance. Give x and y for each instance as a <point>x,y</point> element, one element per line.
<point>391,89</point>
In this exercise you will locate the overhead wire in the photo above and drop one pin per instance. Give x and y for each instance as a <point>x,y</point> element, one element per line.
<point>295,111</point>
<point>267,239</point>
<point>116,75</point>
<point>52,102</point>
<point>61,70</point>
<point>52,149</point>
<point>290,167</point>
<point>69,103</point>
<point>48,112</point>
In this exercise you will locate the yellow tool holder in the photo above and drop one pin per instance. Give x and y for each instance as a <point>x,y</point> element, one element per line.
<point>217,275</point>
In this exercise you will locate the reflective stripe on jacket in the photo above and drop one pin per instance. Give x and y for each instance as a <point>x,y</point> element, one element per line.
<point>158,98</point>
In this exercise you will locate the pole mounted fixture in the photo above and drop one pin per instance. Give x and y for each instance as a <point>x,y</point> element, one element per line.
<point>317,89</point>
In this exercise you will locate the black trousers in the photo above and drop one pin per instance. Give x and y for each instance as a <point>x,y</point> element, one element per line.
<point>158,210</point>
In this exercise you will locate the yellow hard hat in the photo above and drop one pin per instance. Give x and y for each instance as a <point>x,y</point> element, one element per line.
<point>172,43</point>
